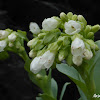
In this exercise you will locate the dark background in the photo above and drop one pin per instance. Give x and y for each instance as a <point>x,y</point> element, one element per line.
<point>17,14</point>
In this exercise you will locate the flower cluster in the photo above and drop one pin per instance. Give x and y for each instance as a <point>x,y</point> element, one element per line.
<point>11,40</point>
<point>67,37</point>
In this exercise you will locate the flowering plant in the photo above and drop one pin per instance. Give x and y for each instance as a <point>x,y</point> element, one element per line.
<point>65,43</point>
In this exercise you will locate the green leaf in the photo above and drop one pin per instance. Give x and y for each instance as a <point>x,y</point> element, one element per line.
<point>54,87</point>
<point>47,97</point>
<point>63,90</point>
<point>39,98</point>
<point>83,97</point>
<point>80,99</point>
<point>73,74</point>
<point>4,55</point>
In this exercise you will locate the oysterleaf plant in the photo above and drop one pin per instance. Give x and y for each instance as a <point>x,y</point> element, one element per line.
<point>65,43</point>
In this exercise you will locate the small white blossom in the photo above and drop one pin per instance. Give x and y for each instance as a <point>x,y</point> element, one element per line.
<point>2,45</point>
<point>87,54</point>
<point>49,24</point>
<point>12,37</point>
<point>34,28</point>
<point>77,47</point>
<point>77,60</point>
<point>3,34</point>
<point>72,27</point>
<point>42,62</point>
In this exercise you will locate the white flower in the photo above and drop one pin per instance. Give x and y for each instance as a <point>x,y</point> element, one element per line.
<point>12,37</point>
<point>49,24</point>
<point>87,54</point>
<point>2,45</point>
<point>72,27</point>
<point>34,28</point>
<point>77,60</point>
<point>42,62</point>
<point>77,47</point>
<point>3,34</point>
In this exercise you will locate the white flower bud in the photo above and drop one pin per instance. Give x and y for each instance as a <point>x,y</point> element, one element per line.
<point>87,54</point>
<point>77,47</point>
<point>2,45</point>
<point>48,59</point>
<point>49,24</point>
<point>34,28</point>
<point>42,62</point>
<point>32,54</point>
<point>72,27</point>
<point>77,60</point>
<point>3,34</point>
<point>11,44</point>
<point>12,37</point>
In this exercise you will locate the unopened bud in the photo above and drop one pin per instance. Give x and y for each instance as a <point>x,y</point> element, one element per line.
<point>90,35</point>
<point>12,37</point>
<point>63,17</point>
<point>11,44</point>
<point>82,19</point>
<point>92,44</point>
<point>74,17</point>
<point>62,54</point>
<point>38,76</point>
<point>95,28</point>
<point>87,29</point>
<point>41,35</point>
<point>69,15</point>
<point>32,54</point>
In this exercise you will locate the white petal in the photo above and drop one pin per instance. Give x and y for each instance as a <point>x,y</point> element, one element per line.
<point>35,65</point>
<point>34,28</point>
<point>72,27</point>
<point>48,59</point>
<point>2,45</point>
<point>77,60</point>
<point>12,37</point>
<point>87,54</point>
<point>3,34</point>
<point>49,24</point>
<point>77,47</point>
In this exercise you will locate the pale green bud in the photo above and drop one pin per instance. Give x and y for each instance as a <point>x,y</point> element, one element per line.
<point>69,15</point>
<point>32,53</point>
<point>95,28</point>
<point>62,54</point>
<point>32,42</point>
<point>69,59</point>
<point>63,17</point>
<point>18,45</point>
<point>90,35</point>
<point>53,47</point>
<point>38,76</point>
<point>21,49</point>
<point>74,17</point>
<point>82,19</point>
<point>11,44</point>
<point>87,29</point>
<point>41,35</point>
<point>92,44</point>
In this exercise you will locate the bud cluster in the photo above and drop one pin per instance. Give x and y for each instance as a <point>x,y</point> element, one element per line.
<point>67,37</point>
<point>11,40</point>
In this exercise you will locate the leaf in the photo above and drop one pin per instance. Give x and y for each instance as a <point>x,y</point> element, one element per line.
<point>4,55</point>
<point>54,87</point>
<point>63,90</point>
<point>39,98</point>
<point>73,74</point>
<point>47,97</point>
<point>83,97</point>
